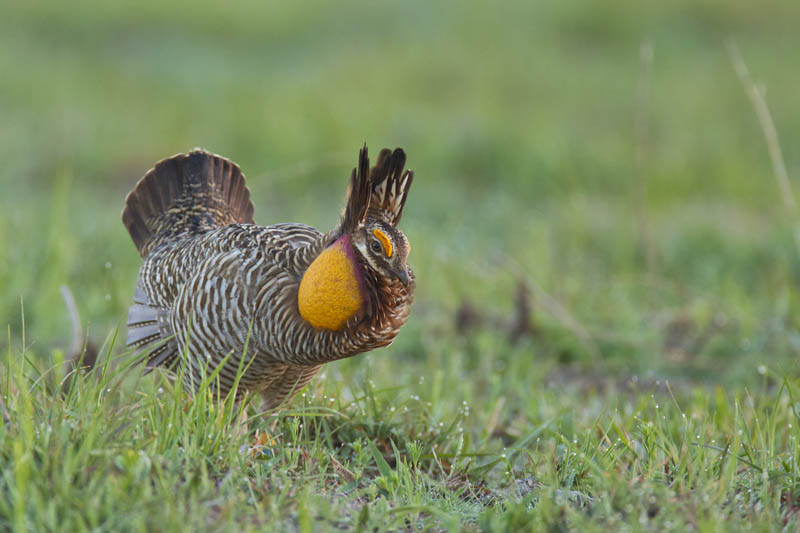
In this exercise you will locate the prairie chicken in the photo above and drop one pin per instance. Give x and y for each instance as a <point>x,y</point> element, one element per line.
<point>215,288</point>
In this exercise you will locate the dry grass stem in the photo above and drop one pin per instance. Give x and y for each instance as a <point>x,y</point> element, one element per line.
<point>770,135</point>
<point>641,132</point>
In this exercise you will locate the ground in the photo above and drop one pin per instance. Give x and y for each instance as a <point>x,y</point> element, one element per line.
<point>605,334</point>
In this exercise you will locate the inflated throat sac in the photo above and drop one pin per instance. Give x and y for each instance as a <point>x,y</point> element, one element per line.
<point>330,292</point>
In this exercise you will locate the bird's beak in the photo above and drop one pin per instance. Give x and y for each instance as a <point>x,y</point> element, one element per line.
<point>402,275</point>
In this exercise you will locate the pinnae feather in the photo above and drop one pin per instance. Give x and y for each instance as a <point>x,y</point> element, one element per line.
<point>390,186</point>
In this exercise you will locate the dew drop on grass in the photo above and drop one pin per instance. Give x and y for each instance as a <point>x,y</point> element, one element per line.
<point>762,369</point>
<point>108,297</point>
<point>108,264</point>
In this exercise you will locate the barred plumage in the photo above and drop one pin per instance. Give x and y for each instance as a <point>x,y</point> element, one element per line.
<point>215,287</point>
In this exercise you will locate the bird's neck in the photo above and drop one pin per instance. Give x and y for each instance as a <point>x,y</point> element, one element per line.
<point>332,289</point>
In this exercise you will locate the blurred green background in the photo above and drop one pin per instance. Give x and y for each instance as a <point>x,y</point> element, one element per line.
<point>519,120</point>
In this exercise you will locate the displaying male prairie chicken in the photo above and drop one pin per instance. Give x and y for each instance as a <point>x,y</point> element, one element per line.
<point>215,288</point>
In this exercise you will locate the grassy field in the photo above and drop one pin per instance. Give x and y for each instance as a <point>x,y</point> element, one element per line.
<point>598,163</point>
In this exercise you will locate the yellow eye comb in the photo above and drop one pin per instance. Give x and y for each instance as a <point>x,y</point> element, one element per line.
<point>387,244</point>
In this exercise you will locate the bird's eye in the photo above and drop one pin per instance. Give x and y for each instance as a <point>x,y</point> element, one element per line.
<point>376,247</point>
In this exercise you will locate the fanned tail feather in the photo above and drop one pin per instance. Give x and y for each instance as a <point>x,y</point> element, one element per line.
<point>186,194</point>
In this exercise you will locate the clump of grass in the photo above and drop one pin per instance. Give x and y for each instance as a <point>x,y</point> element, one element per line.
<point>119,450</point>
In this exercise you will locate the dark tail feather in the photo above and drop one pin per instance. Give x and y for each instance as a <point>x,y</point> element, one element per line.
<point>186,194</point>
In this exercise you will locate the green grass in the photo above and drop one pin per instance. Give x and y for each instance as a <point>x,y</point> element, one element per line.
<point>657,389</point>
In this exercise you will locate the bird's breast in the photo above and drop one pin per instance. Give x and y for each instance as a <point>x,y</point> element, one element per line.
<point>331,290</point>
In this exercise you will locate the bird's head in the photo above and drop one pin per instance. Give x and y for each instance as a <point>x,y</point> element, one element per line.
<point>375,202</point>
<point>384,249</point>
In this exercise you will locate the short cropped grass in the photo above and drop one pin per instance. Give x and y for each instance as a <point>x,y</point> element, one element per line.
<point>605,330</point>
